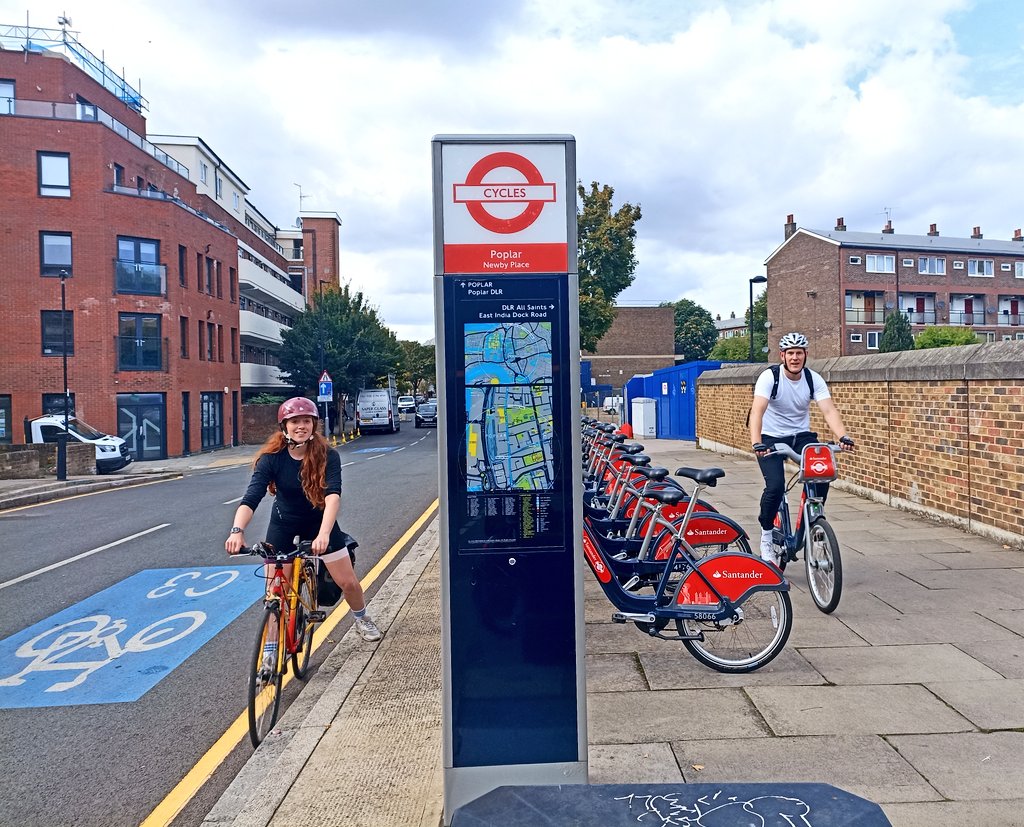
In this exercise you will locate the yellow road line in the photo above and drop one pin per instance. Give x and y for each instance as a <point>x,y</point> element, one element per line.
<point>185,790</point>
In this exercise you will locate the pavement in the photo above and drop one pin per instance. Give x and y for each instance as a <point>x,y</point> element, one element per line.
<point>910,695</point>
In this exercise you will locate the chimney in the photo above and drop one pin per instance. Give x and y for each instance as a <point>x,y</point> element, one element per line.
<point>1017,235</point>
<point>933,229</point>
<point>977,233</point>
<point>887,229</point>
<point>789,228</point>
<point>840,225</point>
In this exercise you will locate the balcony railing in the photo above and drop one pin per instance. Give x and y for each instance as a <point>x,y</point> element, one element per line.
<point>1009,319</point>
<point>962,317</point>
<point>920,316</point>
<point>142,279</point>
<point>141,353</point>
<point>857,316</point>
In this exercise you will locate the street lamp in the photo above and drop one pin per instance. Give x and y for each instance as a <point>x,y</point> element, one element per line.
<point>750,319</point>
<point>62,437</point>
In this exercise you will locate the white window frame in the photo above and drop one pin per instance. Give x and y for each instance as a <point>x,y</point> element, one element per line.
<point>873,336</point>
<point>958,265</point>
<point>990,336</point>
<point>203,170</point>
<point>932,265</point>
<point>856,337</point>
<point>987,265</point>
<point>1019,336</point>
<point>54,171</point>
<point>234,201</point>
<point>854,259</point>
<point>872,261</point>
<point>218,189</point>
<point>908,262</point>
<point>1005,267</point>
<point>1018,269</point>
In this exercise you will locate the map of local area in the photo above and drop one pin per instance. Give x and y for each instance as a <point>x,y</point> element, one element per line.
<point>508,407</point>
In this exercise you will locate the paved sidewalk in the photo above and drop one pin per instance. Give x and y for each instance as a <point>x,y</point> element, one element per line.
<point>910,695</point>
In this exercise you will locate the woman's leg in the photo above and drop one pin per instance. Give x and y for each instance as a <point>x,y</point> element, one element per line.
<point>339,565</point>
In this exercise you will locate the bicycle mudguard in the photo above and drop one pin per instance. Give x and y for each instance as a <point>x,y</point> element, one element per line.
<point>734,575</point>
<point>703,529</point>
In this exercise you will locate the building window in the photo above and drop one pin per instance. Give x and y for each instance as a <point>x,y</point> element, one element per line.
<point>980,267</point>
<point>211,354</point>
<point>183,265</point>
<point>231,284</point>
<point>880,264</point>
<point>220,283</point>
<point>203,170</point>
<point>872,339</point>
<point>6,104</point>
<point>54,253</point>
<point>234,346</point>
<point>958,265</point>
<point>1005,267</point>
<point>218,187</point>
<point>54,333</point>
<point>220,343</point>
<point>201,350</point>
<point>118,175</point>
<point>932,265</point>
<point>1018,269</point>
<point>54,170</point>
<point>908,262</point>
<point>53,405</point>
<point>856,337</point>
<point>138,267</point>
<point>6,414</point>
<point>209,276</point>
<point>183,335</point>
<point>234,200</point>
<point>139,346</point>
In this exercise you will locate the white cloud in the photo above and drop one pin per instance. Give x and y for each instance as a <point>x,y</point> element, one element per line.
<point>718,117</point>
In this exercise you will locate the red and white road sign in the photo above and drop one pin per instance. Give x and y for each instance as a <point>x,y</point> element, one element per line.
<point>325,377</point>
<point>504,208</point>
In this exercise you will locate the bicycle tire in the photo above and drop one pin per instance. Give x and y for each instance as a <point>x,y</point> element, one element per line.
<point>303,627</point>
<point>747,645</point>
<point>824,566</point>
<point>264,689</point>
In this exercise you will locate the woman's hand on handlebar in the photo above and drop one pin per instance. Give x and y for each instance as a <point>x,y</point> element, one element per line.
<point>847,443</point>
<point>321,543</point>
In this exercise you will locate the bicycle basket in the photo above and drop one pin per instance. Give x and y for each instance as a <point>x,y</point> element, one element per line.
<point>817,463</point>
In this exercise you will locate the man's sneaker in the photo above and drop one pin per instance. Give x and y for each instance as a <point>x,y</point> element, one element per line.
<point>367,628</point>
<point>767,547</point>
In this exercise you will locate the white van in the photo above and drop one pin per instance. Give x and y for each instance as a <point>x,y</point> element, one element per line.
<point>112,452</point>
<point>611,404</point>
<point>377,410</point>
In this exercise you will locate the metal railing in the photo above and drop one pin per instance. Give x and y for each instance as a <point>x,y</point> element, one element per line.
<point>920,316</point>
<point>142,279</point>
<point>1009,319</point>
<point>857,316</point>
<point>962,317</point>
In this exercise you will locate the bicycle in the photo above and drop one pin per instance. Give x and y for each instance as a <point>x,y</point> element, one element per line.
<point>822,560</point>
<point>290,607</point>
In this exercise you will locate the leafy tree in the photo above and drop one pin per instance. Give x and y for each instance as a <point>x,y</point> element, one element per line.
<point>945,336</point>
<point>267,399</point>
<point>735,349</point>
<point>896,335</point>
<point>607,259</point>
<point>759,329</point>
<point>418,367</point>
<point>695,334</point>
<point>357,349</point>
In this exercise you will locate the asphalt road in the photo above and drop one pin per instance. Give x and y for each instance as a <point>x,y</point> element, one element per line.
<point>151,696</point>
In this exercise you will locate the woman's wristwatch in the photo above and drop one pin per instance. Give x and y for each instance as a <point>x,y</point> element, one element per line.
<point>235,530</point>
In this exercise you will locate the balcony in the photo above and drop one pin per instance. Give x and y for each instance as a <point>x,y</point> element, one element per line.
<point>859,316</point>
<point>140,279</point>
<point>962,317</point>
<point>920,316</point>
<point>254,326</point>
<point>264,288</point>
<point>261,376</point>
<point>141,353</point>
<point>1006,319</point>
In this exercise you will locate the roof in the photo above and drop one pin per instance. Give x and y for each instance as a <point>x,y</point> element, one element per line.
<point>916,243</point>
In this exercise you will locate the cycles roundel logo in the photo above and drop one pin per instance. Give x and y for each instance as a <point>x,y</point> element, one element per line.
<point>819,466</point>
<point>530,193</point>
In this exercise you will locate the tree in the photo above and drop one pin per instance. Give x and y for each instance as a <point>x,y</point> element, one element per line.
<point>945,336</point>
<point>606,258</point>
<point>695,332</point>
<point>734,349</point>
<point>418,367</point>
<point>896,335</point>
<point>759,328</point>
<point>357,349</point>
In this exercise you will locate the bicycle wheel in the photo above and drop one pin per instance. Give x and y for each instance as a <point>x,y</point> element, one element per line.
<point>265,684</point>
<point>303,625</point>
<point>762,632</point>
<point>824,566</point>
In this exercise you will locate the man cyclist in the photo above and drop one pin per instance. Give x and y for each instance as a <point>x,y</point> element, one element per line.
<point>781,412</point>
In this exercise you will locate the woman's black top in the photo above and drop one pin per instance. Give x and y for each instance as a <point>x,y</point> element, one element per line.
<point>281,469</point>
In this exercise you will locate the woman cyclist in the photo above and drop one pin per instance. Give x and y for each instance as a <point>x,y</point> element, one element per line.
<point>297,466</point>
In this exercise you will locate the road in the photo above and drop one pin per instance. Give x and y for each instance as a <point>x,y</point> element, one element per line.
<point>101,720</point>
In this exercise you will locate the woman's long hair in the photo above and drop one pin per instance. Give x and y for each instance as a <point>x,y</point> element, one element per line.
<point>312,473</point>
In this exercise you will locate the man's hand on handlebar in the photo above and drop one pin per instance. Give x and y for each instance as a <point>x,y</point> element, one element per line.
<point>761,449</point>
<point>847,443</point>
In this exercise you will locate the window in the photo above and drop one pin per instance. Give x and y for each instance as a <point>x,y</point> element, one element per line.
<point>54,173</point>
<point>234,200</point>
<point>86,110</point>
<point>231,283</point>
<point>872,340</point>
<point>199,272</point>
<point>138,266</point>
<point>6,414</point>
<point>211,355</point>
<point>908,262</point>
<point>958,265</point>
<point>203,170</point>
<point>54,332</point>
<point>1018,269</point>
<point>856,337</point>
<point>854,259</point>
<point>201,350</point>
<point>932,265</point>
<point>220,343</point>
<point>53,405</point>
<point>139,346</point>
<point>118,175</point>
<point>234,346</point>
<point>209,276</point>
<point>182,265</point>
<point>220,283</point>
<point>218,187</point>
<point>880,263</point>
<point>990,336</point>
<point>980,267</point>
<point>183,335</point>
<point>54,253</point>
<point>6,104</point>
<point>1005,267</point>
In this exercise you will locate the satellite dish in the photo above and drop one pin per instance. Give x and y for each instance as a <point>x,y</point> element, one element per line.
<point>298,223</point>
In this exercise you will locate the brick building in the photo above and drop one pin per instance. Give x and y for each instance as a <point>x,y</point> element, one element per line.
<point>640,340</point>
<point>149,252</point>
<point>837,286</point>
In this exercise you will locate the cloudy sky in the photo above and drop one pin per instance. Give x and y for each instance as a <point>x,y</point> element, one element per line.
<point>717,117</point>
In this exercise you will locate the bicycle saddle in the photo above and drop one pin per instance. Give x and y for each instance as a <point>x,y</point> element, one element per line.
<point>705,476</point>
<point>635,459</point>
<point>667,496</point>
<point>656,474</point>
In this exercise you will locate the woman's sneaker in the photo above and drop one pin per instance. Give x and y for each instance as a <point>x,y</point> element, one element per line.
<point>367,628</point>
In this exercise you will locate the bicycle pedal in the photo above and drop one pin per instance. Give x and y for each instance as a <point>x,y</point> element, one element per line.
<point>620,556</point>
<point>319,616</point>
<point>631,584</point>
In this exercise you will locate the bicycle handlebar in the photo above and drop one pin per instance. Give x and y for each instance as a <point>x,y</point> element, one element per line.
<point>268,552</point>
<point>789,453</point>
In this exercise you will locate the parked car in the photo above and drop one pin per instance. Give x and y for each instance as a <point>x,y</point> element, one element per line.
<point>426,415</point>
<point>406,404</point>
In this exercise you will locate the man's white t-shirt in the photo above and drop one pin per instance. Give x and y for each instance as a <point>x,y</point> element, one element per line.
<point>789,412</point>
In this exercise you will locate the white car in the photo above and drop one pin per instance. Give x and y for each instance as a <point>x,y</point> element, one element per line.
<point>406,404</point>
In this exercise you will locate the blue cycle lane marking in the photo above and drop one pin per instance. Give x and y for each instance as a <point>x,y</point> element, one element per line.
<point>118,644</point>
<point>379,449</point>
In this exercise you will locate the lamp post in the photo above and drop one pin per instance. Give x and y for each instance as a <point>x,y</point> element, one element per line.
<point>62,438</point>
<point>750,319</point>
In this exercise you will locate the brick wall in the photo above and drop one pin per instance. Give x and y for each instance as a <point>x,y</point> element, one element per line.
<point>640,340</point>
<point>938,431</point>
<point>26,462</point>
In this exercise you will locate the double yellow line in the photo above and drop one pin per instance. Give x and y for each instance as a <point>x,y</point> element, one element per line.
<point>185,790</point>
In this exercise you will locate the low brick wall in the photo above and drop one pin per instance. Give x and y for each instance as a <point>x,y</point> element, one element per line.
<point>26,462</point>
<point>938,431</point>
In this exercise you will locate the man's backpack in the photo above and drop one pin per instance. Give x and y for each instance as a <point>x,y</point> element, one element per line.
<point>776,374</point>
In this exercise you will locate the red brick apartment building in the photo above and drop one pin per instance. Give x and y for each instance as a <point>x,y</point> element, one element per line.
<point>837,286</point>
<point>641,340</point>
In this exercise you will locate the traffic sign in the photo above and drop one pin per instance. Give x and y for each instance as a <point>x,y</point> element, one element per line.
<point>325,392</point>
<point>325,377</point>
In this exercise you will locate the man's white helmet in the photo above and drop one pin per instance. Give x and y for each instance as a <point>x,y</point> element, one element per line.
<point>793,340</point>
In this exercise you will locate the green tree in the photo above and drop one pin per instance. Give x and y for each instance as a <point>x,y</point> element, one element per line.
<point>735,349</point>
<point>945,336</point>
<point>607,258</point>
<point>759,328</point>
<point>418,367</point>
<point>695,333</point>
<point>896,334</point>
<point>358,350</point>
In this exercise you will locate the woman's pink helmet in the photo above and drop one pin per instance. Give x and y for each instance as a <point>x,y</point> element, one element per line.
<point>296,406</point>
